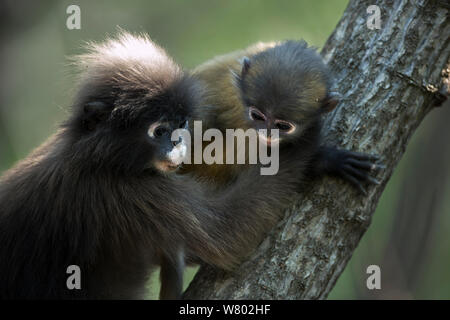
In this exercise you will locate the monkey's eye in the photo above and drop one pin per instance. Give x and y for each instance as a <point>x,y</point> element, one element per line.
<point>284,126</point>
<point>157,130</point>
<point>256,115</point>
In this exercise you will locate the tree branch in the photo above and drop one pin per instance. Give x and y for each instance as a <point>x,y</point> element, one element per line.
<point>389,79</point>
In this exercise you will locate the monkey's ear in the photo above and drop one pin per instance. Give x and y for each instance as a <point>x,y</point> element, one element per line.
<point>245,66</point>
<point>93,113</point>
<point>330,102</point>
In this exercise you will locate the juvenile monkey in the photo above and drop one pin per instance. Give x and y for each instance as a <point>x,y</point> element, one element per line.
<point>101,193</point>
<point>284,86</point>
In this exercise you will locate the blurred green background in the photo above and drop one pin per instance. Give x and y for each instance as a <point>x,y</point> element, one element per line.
<point>410,233</point>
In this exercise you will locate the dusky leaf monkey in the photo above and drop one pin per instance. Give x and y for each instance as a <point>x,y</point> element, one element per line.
<point>279,85</point>
<point>101,193</point>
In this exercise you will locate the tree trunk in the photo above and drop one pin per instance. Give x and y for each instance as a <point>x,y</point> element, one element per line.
<point>389,79</point>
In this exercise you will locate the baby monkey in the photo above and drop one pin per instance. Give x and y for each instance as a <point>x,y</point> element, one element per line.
<point>284,86</point>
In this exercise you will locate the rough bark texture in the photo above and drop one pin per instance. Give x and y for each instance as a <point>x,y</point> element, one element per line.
<point>388,78</point>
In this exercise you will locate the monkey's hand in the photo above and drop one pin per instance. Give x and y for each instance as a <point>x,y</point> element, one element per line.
<point>357,168</point>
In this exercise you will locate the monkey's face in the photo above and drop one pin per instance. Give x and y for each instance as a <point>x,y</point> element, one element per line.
<point>137,131</point>
<point>280,108</point>
<point>260,120</point>
<point>168,135</point>
<point>170,147</point>
<point>285,87</point>
<point>274,99</point>
<point>272,105</point>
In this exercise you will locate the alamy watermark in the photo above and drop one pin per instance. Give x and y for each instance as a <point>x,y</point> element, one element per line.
<point>74,280</point>
<point>374,20</point>
<point>374,280</point>
<point>73,21</point>
<point>263,147</point>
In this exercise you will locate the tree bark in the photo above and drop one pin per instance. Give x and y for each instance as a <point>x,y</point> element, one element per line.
<point>389,79</point>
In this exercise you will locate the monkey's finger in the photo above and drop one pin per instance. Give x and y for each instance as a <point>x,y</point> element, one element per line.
<point>360,175</point>
<point>354,181</point>
<point>366,165</point>
<point>363,156</point>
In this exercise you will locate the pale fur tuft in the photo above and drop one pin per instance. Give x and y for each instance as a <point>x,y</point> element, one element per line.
<point>127,61</point>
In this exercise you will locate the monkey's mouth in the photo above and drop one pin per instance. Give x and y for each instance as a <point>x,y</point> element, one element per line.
<point>268,140</point>
<point>167,166</point>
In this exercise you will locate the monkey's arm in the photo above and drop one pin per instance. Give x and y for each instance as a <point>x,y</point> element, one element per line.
<point>353,167</point>
<point>221,228</point>
<point>171,276</point>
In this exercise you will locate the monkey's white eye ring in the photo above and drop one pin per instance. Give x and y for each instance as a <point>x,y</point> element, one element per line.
<point>157,129</point>
<point>255,114</point>
<point>285,126</point>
